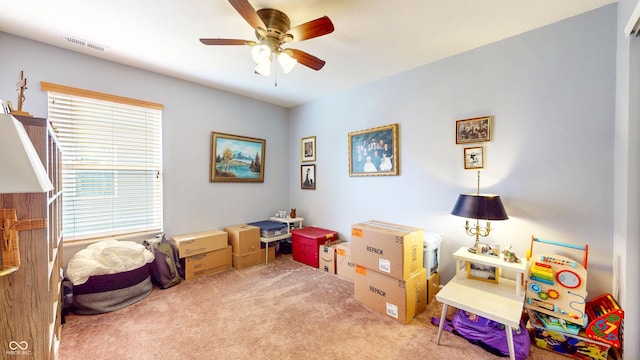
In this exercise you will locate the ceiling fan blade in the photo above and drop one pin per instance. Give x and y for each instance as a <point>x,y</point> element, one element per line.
<point>248,13</point>
<point>306,59</point>
<point>226,42</point>
<point>311,29</point>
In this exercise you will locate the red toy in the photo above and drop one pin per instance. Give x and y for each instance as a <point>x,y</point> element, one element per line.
<point>606,320</point>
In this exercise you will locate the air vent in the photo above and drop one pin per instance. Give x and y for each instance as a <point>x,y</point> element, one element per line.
<point>78,41</point>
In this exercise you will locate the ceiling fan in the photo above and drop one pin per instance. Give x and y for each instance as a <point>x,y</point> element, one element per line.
<point>273,30</point>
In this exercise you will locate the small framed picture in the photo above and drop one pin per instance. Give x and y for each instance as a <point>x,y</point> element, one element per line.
<point>308,148</point>
<point>474,157</point>
<point>308,177</point>
<point>473,130</point>
<point>488,249</point>
<point>482,272</point>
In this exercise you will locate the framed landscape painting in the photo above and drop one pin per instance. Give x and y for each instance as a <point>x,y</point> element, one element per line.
<point>236,158</point>
<point>374,152</point>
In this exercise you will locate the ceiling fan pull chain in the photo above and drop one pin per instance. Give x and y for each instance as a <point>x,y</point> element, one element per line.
<point>275,73</point>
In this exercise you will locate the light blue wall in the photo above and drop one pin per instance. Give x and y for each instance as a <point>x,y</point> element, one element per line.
<point>551,92</point>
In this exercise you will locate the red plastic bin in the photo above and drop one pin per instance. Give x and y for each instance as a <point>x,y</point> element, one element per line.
<point>306,241</point>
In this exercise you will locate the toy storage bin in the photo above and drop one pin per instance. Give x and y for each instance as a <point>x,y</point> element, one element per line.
<point>576,346</point>
<point>306,243</point>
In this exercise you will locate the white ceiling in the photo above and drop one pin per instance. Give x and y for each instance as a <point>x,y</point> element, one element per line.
<point>373,39</point>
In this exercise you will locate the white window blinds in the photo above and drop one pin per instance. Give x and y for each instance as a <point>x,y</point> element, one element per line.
<point>111,164</point>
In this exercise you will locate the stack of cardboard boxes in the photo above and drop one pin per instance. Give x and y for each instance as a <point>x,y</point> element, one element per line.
<point>389,273</point>
<point>245,241</point>
<point>203,253</point>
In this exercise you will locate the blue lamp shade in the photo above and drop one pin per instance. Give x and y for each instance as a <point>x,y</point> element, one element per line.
<point>483,207</point>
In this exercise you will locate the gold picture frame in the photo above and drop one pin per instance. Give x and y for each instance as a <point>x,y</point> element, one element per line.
<point>374,152</point>
<point>236,158</point>
<point>482,272</point>
<point>473,130</point>
<point>308,149</point>
<point>474,157</point>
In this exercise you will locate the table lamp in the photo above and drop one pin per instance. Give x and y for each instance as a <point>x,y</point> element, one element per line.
<point>21,171</point>
<point>479,207</point>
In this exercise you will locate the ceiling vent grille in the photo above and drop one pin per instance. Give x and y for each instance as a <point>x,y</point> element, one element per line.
<point>78,41</point>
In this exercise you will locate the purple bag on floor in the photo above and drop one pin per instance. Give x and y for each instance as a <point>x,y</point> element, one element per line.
<point>489,335</point>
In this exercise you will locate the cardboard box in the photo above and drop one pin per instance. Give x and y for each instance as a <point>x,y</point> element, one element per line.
<point>305,243</point>
<point>327,258</point>
<point>243,238</point>
<point>198,243</point>
<point>401,300</point>
<point>206,263</point>
<point>345,267</point>
<point>433,286</point>
<point>243,261</point>
<point>394,250</point>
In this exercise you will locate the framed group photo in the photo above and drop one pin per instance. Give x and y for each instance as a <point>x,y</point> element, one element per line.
<point>308,149</point>
<point>374,152</point>
<point>473,130</point>
<point>308,177</point>
<point>236,158</point>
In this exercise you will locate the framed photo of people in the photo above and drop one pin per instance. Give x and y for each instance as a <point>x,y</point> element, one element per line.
<point>308,177</point>
<point>473,130</point>
<point>308,148</point>
<point>374,152</point>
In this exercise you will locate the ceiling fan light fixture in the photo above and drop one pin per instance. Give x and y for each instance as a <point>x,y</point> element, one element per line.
<point>261,54</point>
<point>286,61</point>
<point>263,68</point>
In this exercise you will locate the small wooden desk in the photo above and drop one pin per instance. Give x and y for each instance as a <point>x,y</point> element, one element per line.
<point>502,302</point>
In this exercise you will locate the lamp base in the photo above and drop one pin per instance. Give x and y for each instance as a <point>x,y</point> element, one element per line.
<point>472,250</point>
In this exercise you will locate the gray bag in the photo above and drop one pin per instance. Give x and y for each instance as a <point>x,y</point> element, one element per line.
<point>165,269</point>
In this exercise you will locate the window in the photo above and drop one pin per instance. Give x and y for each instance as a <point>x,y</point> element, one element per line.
<point>111,162</point>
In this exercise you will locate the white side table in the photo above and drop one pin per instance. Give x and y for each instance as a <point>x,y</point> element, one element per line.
<point>502,302</point>
<point>267,240</point>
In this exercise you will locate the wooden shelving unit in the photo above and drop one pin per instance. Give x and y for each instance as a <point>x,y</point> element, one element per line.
<point>30,298</point>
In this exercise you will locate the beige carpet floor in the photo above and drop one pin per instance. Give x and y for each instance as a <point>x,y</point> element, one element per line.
<point>286,310</point>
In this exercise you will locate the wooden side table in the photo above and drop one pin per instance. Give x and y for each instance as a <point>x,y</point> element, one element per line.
<point>502,302</point>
